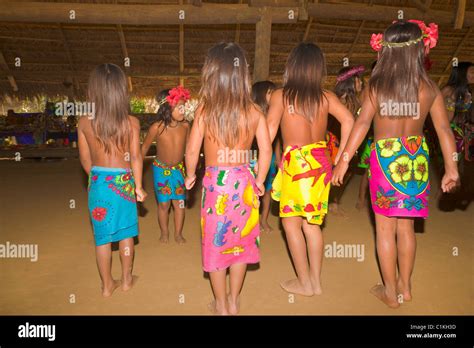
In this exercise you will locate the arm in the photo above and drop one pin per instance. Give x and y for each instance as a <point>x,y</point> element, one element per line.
<point>345,118</point>
<point>136,159</point>
<point>357,135</point>
<point>152,132</point>
<point>275,112</point>
<point>265,152</point>
<point>193,147</point>
<point>450,104</point>
<point>446,139</point>
<point>84,151</point>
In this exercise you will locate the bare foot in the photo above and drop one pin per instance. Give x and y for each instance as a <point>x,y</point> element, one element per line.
<point>108,291</point>
<point>127,284</point>
<point>164,238</point>
<point>295,287</point>
<point>234,306</point>
<point>266,227</point>
<point>179,239</point>
<point>361,205</point>
<point>404,290</point>
<point>335,209</point>
<point>379,291</point>
<point>316,284</point>
<point>216,309</point>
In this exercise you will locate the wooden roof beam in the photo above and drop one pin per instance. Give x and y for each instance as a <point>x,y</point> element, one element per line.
<point>263,39</point>
<point>6,68</point>
<point>424,7</point>
<point>382,13</point>
<point>92,13</point>
<point>460,13</point>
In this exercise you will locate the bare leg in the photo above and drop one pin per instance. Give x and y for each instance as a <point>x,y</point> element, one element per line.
<point>314,240</point>
<point>163,218</point>
<point>406,246</point>
<point>179,211</point>
<point>387,253</point>
<point>364,184</point>
<point>266,201</point>
<point>237,276</point>
<point>127,253</point>
<point>297,244</point>
<point>218,283</point>
<point>104,263</point>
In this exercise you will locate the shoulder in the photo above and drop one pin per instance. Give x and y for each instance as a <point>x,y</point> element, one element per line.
<point>256,113</point>
<point>83,123</point>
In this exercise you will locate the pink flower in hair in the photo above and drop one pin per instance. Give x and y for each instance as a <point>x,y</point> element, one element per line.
<point>376,41</point>
<point>432,35</point>
<point>176,94</point>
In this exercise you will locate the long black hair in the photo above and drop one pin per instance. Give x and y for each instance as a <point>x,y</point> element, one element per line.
<point>458,81</point>
<point>165,111</point>
<point>259,94</point>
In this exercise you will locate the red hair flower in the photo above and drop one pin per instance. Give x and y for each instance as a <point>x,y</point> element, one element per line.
<point>176,94</point>
<point>376,42</point>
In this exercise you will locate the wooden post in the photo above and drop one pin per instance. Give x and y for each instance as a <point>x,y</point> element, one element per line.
<point>11,79</point>
<point>460,12</point>
<point>181,51</point>
<point>263,38</point>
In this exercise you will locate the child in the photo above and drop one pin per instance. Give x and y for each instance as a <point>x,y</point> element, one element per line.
<point>349,84</point>
<point>227,121</point>
<point>261,93</point>
<point>302,183</point>
<point>109,150</point>
<point>348,89</point>
<point>170,133</point>
<point>399,97</point>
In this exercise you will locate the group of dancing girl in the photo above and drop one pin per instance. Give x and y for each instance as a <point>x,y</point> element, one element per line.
<point>298,160</point>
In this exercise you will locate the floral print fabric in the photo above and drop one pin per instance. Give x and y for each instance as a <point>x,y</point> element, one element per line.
<point>399,177</point>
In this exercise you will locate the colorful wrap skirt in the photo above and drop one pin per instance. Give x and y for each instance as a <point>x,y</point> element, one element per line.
<point>168,181</point>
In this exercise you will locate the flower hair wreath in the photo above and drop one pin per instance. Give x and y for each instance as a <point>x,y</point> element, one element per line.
<point>175,95</point>
<point>349,73</point>
<point>429,35</point>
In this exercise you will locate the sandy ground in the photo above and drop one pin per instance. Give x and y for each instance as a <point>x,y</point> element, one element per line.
<point>35,209</point>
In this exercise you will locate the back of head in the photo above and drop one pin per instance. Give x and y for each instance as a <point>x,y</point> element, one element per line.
<point>225,93</point>
<point>259,93</point>
<point>458,80</point>
<point>107,89</point>
<point>304,73</point>
<point>164,114</point>
<point>345,88</point>
<point>400,69</point>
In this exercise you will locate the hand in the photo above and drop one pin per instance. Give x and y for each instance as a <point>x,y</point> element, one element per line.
<point>189,181</point>
<point>141,194</point>
<point>450,181</point>
<point>260,188</point>
<point>339,172</point>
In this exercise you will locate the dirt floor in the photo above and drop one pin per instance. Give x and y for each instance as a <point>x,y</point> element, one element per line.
<point>35,209</point>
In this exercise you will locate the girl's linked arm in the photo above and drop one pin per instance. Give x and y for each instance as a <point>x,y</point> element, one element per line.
<point>275,112</point>
<point>265,152</point>
<point>136,159</point>
<point>151,135</point>
<point>345,118</point>
<point>84,151</point>
<point>357,135</point>
<point>439,116</point>
<point>193,147</point>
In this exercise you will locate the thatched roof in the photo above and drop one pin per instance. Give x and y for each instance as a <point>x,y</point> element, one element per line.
<point>57,57</point>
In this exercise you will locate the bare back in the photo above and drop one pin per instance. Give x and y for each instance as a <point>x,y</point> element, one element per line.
<point>216,154</point>
<point>116,159</point>
<point>408,120</point>
<point>171,142</point>
<point>297,130</point>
